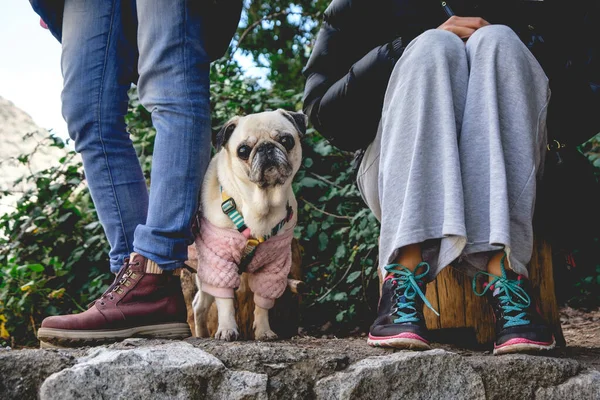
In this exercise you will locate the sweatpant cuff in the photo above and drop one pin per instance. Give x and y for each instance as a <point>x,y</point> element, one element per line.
<point>263,302</point>
<point>221,293</point>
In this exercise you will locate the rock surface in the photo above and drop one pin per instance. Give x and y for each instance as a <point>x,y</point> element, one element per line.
<point>298,369</point>
<point>172,371</point>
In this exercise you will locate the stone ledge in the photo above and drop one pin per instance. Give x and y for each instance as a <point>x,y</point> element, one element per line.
<point>301,369</point>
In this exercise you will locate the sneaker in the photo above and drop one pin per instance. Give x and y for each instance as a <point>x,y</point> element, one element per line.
<point>519,325</point>
<point>143,301</point>
<point>400,322</point>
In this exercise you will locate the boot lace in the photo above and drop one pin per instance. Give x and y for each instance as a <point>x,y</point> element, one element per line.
<point>513,299</point>
<point>115,287</point>
<point>406,290</point>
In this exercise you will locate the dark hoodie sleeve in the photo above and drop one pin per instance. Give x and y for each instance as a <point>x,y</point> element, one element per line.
<point>344,98</point>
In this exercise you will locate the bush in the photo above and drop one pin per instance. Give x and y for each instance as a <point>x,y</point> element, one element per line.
<point>52,249</point>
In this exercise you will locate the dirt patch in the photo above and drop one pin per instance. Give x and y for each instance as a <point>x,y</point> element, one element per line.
<point>581,328</point>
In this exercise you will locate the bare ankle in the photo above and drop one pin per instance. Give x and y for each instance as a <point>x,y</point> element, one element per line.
<point>410,256</point>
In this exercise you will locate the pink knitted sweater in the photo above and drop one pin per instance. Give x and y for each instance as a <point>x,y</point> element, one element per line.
<point>220,252</point>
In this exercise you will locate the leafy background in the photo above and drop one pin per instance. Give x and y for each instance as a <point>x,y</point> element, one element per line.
<point>53,253</point>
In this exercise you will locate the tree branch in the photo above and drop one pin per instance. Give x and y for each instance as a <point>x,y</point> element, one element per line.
<point>311,205</point>
<point>327,181</point>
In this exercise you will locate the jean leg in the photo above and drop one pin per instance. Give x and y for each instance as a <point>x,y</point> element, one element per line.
<point>98,63</point>
<point>174,87</point>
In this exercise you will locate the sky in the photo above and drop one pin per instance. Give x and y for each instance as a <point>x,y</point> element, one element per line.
<point>30,74</point>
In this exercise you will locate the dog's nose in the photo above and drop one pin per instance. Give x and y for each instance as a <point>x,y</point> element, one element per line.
<point>266,148</point>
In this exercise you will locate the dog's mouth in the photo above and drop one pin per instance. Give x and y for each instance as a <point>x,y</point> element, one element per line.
<point>270,166</point>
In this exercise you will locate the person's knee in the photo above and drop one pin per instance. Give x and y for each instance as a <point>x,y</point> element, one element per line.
<point>78,113</point>
<point>92,120</point>
<point>182,91</point>
<point>492,36</point>
<point>439,44</point>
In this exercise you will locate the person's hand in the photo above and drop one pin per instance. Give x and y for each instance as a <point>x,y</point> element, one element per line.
<point>464,27</point>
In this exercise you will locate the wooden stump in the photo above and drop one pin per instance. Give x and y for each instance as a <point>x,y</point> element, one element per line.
<point>283,317</point>
<point>467,319</point>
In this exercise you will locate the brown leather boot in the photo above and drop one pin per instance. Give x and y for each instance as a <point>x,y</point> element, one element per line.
<point>143,301</point>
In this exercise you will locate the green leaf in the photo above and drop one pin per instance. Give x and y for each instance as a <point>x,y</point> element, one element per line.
<point>91,226</point>
<point>340,252</point>
<point>311,229</point>
<point>353,276</point>
<point>64,217</point>
<point>323,241</point>
<point>36,267</point>
<point>340,296</point>
<point>309,182</point>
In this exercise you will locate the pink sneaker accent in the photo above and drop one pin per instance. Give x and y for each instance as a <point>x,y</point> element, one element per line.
<point>403,335</point>
<point>523,341</point>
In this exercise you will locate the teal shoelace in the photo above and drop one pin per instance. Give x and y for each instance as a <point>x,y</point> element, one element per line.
<point>513,298</point>
<point>407,289</point>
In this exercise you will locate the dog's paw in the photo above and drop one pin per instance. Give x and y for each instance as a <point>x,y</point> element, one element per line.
<point>265,335</point>
<point>228,335</point>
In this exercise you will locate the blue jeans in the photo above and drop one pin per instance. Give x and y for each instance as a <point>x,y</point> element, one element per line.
<point>105,45</point>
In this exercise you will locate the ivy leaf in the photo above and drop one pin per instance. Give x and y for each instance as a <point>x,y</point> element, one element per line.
<point>311,229</point>
<point>353,276</point>
<point>340,296</point>
<point>36,267</point>
<point>309,182</point>
<point>323,241</point>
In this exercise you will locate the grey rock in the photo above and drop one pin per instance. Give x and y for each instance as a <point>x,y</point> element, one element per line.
<point>584,386</point>
<point>298,369</point>
<point>519,376</point>
<point>22,372</point>
<point>292,367</point>
<point>434,374</point>
<point>170,371</point>
<point>240,385</point>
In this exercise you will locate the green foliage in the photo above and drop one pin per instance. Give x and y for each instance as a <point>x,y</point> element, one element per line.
<point>588,290</point>
<point>278,35</point>
<point>52,248</point>
<point>339,236</point>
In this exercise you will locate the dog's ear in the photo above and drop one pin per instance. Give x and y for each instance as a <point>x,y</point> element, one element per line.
<point>300,120</point>
<point>225,133</point>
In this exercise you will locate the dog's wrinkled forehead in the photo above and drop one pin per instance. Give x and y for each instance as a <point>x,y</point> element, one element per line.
<point>262,126</point>
<point>266,125</point>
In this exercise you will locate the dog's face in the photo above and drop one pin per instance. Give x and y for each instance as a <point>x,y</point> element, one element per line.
<point>264,148</point>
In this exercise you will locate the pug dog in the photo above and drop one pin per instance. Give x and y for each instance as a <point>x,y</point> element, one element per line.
<point>247,218</point>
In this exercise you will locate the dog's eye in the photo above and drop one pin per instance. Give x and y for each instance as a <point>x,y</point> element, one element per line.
<point>287,142</point>
<point>244,152</point>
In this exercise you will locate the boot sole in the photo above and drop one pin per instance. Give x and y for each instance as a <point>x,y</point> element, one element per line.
<point>50,337</point>
<point>524,347</point>
<point>398,343</point>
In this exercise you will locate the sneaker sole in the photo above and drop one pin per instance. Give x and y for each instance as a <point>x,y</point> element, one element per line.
<point>50,337</point>
<point>398,342</point>
<point>523,346</point>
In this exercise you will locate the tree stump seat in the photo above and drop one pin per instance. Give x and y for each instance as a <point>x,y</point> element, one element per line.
<point>467,319</point>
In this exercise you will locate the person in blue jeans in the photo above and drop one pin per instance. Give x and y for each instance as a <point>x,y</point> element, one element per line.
<point>165,47</point>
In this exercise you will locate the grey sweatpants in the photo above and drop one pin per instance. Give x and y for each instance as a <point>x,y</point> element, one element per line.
<point>458,150</point>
